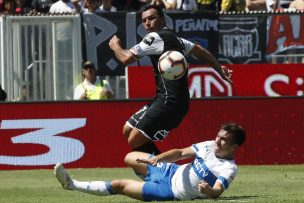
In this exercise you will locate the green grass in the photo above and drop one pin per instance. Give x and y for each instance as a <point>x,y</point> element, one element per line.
<point>253,184</point>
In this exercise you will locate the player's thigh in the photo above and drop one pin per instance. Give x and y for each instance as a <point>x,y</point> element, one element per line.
<point>155,128</point>
<point>127,130</point>
<point>133,120</point>
<point>152,191</point>
<point>137,138</point>
<point>139,168</point>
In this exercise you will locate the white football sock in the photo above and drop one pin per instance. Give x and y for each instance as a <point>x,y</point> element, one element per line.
<point>99,188</point>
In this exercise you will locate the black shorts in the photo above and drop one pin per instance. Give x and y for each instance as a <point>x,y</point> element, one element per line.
<point>157,126</point>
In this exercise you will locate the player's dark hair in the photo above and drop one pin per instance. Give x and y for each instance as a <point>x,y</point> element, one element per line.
<point>158,9</point>
<point>238,132</point>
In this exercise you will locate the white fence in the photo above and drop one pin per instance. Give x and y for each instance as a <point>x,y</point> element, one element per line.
<point>40,56</point>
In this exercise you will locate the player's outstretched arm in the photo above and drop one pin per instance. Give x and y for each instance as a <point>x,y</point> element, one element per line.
<point>125,56</point>
<point>169,156</point>
<point>204,55</point>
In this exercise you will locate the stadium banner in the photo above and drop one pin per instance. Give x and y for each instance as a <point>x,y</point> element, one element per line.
<point>233,39</point>
<point>242,39</point>
<point>285,36</point>
<point>98,30</point>
<point>248,80</point>
<point>88,134</point>
<point>202,28</point>
<point>100,27</point>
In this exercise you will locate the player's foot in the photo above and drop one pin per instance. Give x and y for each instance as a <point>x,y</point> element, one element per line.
<point>63,177</point>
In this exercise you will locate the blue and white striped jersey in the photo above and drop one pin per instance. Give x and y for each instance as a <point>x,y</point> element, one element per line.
<point>205,166</point>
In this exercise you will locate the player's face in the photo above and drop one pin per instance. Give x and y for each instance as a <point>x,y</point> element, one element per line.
<point>151,21</point>
<point>224,146</point>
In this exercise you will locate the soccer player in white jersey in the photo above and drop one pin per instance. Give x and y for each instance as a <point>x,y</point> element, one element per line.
<point>210,173</point>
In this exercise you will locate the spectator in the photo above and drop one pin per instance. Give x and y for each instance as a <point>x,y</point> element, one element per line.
<point>9,7</point>
<point>272,5</point>
<point>2,94</point>
<point>143,3</point>
<point>41,6</point>
<point>92,88</point>
<point>166,4</point>
<point>107,6</point>
<point>256,5</point>
<point>297,5</point>
<point>207,5</point>
<point>24,94</point>
<point>65,6</point>
<point>127,5</point>
<point>233,5</point>
<point>186,5</point>
<point>91,6</point>
<point>25,5</point>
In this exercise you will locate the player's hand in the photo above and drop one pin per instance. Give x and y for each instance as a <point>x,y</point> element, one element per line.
<point>153,161</point>
<point>203,187</point>
<point>226,74</point>
<point>114,42</point>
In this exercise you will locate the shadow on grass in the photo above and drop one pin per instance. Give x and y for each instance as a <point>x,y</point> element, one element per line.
<point>238,198</point>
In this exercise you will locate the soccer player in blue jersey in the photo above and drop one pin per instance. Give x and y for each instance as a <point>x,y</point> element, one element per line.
<point>210,173</point>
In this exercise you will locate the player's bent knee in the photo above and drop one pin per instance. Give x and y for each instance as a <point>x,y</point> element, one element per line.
<point>129,158</point>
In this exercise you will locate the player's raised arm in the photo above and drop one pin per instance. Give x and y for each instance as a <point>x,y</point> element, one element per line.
<point>204,55</point>
<point>124,55</point>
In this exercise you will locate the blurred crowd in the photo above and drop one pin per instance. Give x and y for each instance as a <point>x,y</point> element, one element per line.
<point>33,7</point>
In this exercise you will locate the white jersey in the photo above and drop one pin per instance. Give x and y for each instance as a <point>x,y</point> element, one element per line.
<point>153,44</point>
<point>206,166</point>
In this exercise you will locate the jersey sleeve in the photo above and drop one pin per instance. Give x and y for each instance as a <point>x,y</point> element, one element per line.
<point>197,148</point>
<point>188,45</point>
<point>227,176</point>
<point>152,44</point>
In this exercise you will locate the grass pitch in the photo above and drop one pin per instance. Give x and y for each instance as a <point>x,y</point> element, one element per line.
<point>276,183</point>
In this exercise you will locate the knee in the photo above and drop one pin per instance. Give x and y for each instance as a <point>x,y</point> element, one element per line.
<point>117,186</point>
<point>130,158</point>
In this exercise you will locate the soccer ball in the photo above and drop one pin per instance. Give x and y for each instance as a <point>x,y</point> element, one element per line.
<point>172,65</point>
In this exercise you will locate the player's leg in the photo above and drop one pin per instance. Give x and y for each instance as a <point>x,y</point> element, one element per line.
<point>140,169</point>
<point>136,139</point>
<point>126,130</point>
<point>127,187</point>
<point>139,142</point>
<point>93,187</point>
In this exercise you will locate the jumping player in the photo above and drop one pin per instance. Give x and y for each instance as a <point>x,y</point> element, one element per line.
<point>210,173</point>
<point>171,103</point>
